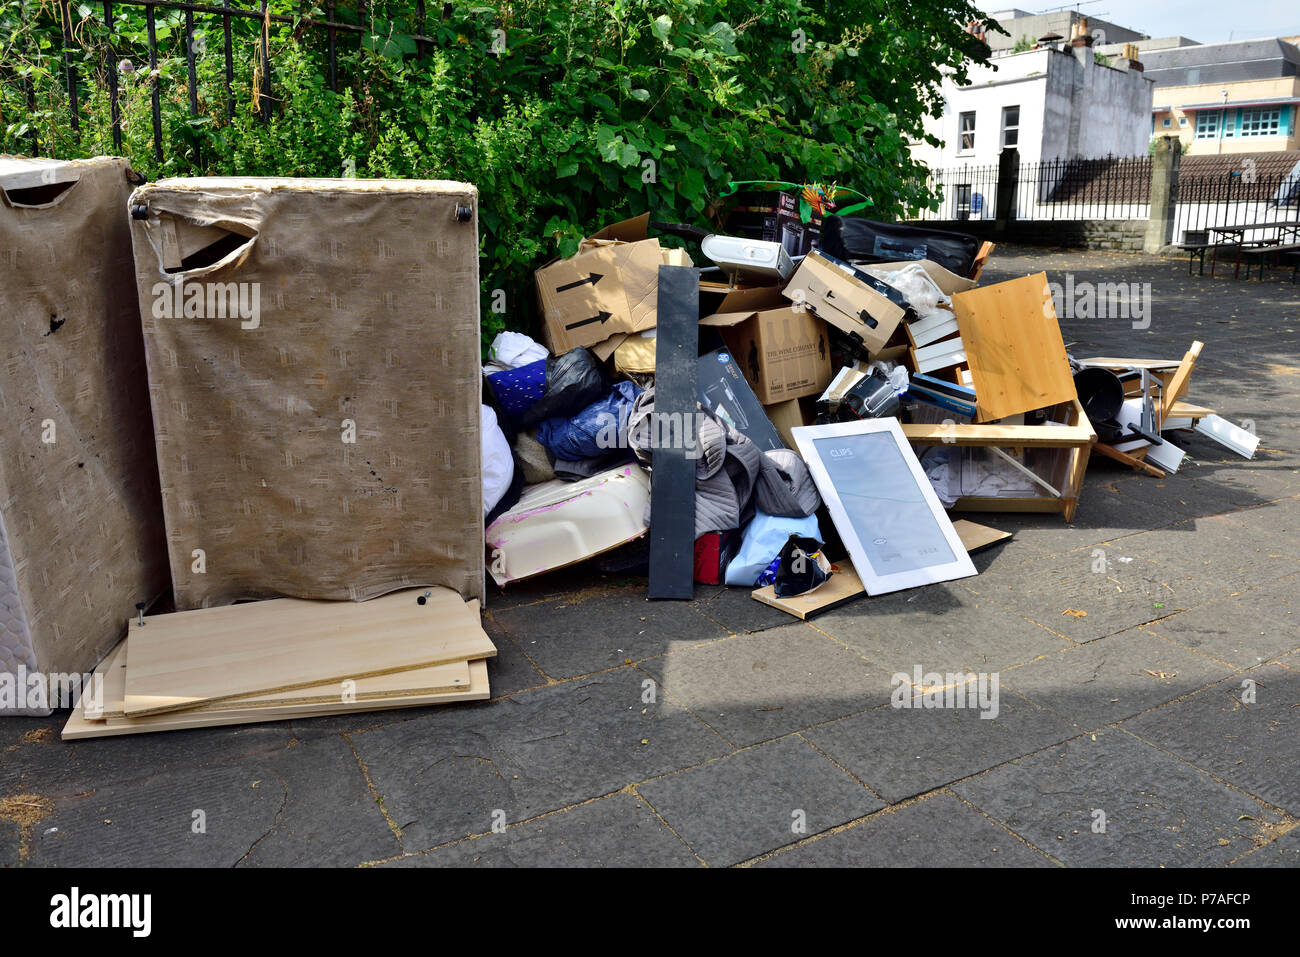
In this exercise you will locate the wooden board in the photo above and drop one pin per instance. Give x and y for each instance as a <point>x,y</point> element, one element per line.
<point>439,679</point>
<point>190,658</point>
<point>79,727</point>
<point>1174,390</point>
<point>672,487</point>
<point>845,585</point>
<point>976,537</point>
<point>1182,409</point>
<point>1014,347</point>
<point>981,259</point>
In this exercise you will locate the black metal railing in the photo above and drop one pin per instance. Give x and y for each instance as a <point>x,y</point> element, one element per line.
<point>1103,188</point>
<point>76,38</point>
<point>1238,197</point>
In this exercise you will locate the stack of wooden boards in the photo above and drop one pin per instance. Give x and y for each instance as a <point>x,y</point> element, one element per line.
<point>287,658</point>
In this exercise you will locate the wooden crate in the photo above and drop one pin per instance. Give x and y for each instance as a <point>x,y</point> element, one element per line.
<point>1076,436</point>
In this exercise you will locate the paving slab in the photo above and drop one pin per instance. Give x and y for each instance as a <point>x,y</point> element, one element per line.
<point>53,767</point>
<point>902,752</point>
<point>736,610</point>
<point>1227,630</point>
<point>1251,744</point>
<point>757,800</point>
<point>1283,852</point>
<point>329,817</point>
<point>597,628</point>
<point>1105,681</point>
<point>1092,593</point>
<point>1158,811</point>
<point>449,775</point>
<point>1219,552</point>
<point>614,831</point>
<point>753,688</point>
<point>939,831</point>
<point>1106,512</point>
<point>940,627</point>
<point>200,817</point>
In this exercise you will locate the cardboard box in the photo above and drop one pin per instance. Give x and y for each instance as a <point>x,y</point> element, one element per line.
<point>783,351</point>
<point>866,308</point>
<point>724,392</point>
<point>609,286</point>
<point>791,414</point>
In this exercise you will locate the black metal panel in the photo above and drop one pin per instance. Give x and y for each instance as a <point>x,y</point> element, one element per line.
<point>672,479</point>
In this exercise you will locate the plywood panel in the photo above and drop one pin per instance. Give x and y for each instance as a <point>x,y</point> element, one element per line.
<point>1013,347</point>
<point>190,658</point>
<point>79,727</point>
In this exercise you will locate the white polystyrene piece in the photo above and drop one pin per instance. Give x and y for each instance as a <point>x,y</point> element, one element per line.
<point>1226,434</point>
<point>1166,456</point>
<point>558,523</point>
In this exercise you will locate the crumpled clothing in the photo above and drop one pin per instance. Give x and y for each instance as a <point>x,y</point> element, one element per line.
<point>727,464</point>
<point>785,487</point>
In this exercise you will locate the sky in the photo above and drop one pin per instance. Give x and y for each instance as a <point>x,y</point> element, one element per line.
<point>1199,20</point>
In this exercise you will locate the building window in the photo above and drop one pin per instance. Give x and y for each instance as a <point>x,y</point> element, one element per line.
<point>1010,126</point>
<point>1207,125</point>
<point>1166,123</point>
<point>1261,122</point>
<point>966,129</point>
<point>1182,121</point>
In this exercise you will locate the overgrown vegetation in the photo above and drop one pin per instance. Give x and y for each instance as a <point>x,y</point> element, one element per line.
<point>566,115</point>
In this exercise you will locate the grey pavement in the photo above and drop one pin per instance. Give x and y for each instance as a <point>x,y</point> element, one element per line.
<point>1160,727</point>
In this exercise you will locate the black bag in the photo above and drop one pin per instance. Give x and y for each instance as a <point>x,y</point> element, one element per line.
<point>802,567</point>
<point>573,381</point>
<point>869,241</point>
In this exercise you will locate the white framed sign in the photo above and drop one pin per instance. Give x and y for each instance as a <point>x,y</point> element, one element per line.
<point>882,504</point>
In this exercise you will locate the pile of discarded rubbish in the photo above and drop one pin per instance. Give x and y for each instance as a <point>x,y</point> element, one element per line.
<point>798,415</point>
<point>259,470</point>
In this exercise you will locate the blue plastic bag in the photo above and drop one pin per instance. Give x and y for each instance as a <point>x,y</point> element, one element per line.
<point>598,430</point>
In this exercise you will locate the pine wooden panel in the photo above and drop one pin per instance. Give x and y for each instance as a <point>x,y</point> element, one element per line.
<point>191,658</point>
<point>1013,347</point>
<point>79,727</point>
<point>1174,390</point>
<point>418,681</point>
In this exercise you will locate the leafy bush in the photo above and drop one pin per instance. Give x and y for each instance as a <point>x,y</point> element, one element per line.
<point>567,114</point>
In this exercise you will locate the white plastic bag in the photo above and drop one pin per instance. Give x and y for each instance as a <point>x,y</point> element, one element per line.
<point>498,464</point>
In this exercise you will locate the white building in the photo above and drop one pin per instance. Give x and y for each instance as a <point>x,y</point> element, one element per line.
<point>1053,102</point>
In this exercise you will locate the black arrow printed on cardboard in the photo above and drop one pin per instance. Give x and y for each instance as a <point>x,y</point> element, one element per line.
<point>599,317</point>
<point>593,278</point>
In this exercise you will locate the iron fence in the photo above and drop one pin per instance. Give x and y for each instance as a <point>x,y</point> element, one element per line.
<point>1238,197</point>
<point>96,34</point>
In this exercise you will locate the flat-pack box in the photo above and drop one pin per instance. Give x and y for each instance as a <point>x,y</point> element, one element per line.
<point>783,350</point>
<point>81,533</point>
<point>864,307</point>
<point>313,349</point>
<point>609,287</point>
